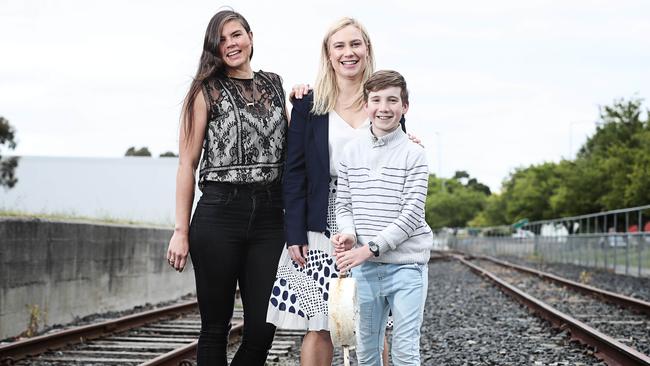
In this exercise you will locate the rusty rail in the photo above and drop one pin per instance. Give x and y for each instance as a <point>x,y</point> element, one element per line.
<point>37,345</point>
<point>175,357</point>
<point>608,349</point>
<point>619,299</point>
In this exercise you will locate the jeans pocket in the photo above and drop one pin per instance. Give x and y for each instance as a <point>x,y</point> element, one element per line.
<point>212,199</point>
<point>409,275</point>
<point>208,209</point>
<point>419,267</point>
<point>410,267</point>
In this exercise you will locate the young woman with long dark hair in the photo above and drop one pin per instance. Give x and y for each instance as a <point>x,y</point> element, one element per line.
<point>236,120</point>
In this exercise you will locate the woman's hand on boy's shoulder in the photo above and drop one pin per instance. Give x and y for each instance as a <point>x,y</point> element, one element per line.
<point>415,139</point>
<point>299,91</point>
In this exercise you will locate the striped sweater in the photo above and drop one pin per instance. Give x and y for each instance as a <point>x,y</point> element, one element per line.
<point>381,192</point>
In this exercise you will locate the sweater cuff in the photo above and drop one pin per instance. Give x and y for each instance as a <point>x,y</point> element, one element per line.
<point>382,244</point>
<point>348,230</point>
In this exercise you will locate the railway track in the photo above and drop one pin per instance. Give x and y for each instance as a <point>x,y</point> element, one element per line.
<point>468,321</point>
<point>617,326</point>
<point>166,336</point>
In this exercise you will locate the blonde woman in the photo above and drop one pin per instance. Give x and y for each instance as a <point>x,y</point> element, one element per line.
<point>322,123</point>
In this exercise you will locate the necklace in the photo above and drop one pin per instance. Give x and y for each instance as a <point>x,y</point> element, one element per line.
<point>252,103</point>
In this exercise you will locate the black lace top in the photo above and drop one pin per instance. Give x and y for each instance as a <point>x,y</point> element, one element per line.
<point>245,137</point>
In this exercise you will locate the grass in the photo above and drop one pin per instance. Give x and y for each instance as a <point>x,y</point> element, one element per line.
<point>62,216</point>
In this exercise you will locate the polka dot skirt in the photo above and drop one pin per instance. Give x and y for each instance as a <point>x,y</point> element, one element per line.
<point>299,297</point>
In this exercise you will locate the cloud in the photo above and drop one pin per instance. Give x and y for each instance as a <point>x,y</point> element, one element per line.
<point>500,82</point>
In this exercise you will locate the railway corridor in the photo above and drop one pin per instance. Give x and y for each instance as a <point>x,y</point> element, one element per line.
<point>467,321</point>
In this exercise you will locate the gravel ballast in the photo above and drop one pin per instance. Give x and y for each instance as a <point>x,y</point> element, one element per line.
<point>467,321</point>
<point>637,287</point>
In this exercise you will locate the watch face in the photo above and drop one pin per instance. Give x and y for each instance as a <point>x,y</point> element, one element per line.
<point>374,248</point>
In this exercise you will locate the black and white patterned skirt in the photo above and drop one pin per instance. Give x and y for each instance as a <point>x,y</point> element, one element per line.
<point>299,296</point>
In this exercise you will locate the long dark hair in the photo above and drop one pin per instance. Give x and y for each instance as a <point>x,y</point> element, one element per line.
<point>211,63</point>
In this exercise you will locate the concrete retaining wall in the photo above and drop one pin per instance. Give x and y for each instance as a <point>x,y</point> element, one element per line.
<point>73,269</point>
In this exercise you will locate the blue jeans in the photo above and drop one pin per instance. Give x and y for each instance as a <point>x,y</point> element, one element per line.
<point>401,288</point>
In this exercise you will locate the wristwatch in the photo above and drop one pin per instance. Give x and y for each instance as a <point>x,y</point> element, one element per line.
<point>374,248</point>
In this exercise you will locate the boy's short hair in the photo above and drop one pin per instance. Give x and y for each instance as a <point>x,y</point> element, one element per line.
<point>384,79</point>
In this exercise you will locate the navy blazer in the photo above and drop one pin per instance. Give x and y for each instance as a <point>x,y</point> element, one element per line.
<point>307,172</point>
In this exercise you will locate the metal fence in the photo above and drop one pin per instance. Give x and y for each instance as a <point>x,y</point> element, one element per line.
<point>616,240</point>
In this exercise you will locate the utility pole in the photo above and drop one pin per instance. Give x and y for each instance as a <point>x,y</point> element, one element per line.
<point>439,143</point>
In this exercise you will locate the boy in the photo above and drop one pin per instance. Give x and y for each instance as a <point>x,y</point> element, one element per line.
<point>382,188</point>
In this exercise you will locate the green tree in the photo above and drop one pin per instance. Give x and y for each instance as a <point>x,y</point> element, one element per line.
<point>618,151</point>
<point>8,165</point>
<point>471,183</point>
<point>527,192</point>
<point>611,171</point>
<point>460,174</point>
<point>168,154</point>
<point>453,202</point>
<point>579,191</point>
<point>612,168</point>
<point>618,124</point>
<point>637,192</point>
<point>493,213</point>
<point>132,151</point>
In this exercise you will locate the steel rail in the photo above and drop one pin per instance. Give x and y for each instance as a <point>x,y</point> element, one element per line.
<point>608,349</point>
<point>185,353</point>
<point>437,255</point>
<point>175,357</point>
<point>619,299</point>
<point>40,344</point>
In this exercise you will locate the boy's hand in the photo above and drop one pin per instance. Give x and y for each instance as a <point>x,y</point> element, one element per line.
<point>343,242</point>
<point>353,257</point>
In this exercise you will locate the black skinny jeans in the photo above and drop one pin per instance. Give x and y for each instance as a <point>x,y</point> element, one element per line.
<point>236,235</point>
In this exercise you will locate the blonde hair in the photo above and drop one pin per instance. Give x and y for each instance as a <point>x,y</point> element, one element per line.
<point>326,90</point>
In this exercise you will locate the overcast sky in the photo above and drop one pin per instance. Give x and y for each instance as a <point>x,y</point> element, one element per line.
<point>494,85</point>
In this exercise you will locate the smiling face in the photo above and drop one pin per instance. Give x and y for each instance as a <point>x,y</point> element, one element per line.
<point>348,52</point>
<point>385,109</point>
<point>235,46</point>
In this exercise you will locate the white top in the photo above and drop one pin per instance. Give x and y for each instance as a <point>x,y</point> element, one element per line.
<point>340,133</point>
